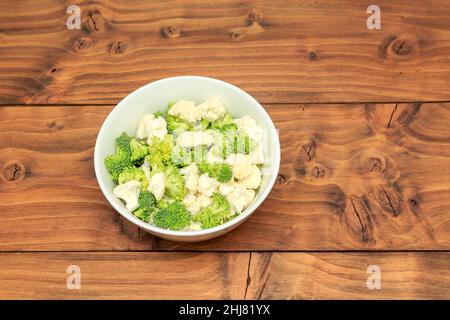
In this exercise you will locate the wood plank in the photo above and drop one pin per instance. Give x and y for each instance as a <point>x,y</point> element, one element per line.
<point>352,177</point>
<point>283,51</point>
<point>145,275</point>
<point>124,275</point>
<point>345,275</point>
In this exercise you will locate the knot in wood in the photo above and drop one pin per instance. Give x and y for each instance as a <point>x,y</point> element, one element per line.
<point>402,47</point>
<point>170,32</point>
<point>82,44</point>
<point>255,16</point>
<point>13,170</point>
<point>118,47</point>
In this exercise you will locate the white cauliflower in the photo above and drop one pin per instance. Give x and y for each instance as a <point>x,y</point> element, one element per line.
<point>256,155</point>
<point>240,197</point>
<point>186,110</point>
<point>204,201</point>
<point>212,109</point>
<point>194,204</point>
<point>248,126</point>
<point>142,131</point>
<point>157,185</point>
<point>129,192</point>
<point>226,188</point>
<point>190,201</point>
<point>189,139</point>
<point>253,179</point>
<point>207,185</point>
<point>190,174</point>
<point>157,128</point>
<point>241,170</point>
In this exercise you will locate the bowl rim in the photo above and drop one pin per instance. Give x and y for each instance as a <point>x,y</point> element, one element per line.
<point>194,233</point>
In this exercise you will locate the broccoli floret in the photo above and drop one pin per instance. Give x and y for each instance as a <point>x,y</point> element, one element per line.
<point>159,114</point>
<point>202,125</point>
<point>174,217</point>
<point>132,173</point>
<point>219,171</point>
<point>233,142</point>
<point>160,151</point>
<point>147,200</point>
<point>243,144</point>
<point>224,123</point>
<point>138,150</point>
<point>176,124</point>
<point>215,214</point>
<point>123,143</point>
<point>174,183</point>
<point>181,156</point>
<point>142,214</point>
<point>147,204</point>
<point>115,163</point>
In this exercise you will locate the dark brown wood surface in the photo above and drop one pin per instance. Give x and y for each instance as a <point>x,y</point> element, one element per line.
<point>150,275</point>
<point>364,123</point>
<point>279,51</point>
<point>351,177</point>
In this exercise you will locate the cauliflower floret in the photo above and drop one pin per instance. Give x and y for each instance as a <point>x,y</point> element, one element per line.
<point>156,128</point>
<point>204,201</point>
<point>157,185</point>
<point>226,188</point>
<point>253,179</point>
<point>212,109</point>
<point>194,226</point>
<point>207,185</point>
<point>194,204</point>
<point>239,198</point>
<point>190,174</point>
<point>129,192</point>
<point>189,139</point>
<point>142,131</point>
<point>190,201</point>
<point>186,110</point>
<point>248,126</point>
<point>241,170</point>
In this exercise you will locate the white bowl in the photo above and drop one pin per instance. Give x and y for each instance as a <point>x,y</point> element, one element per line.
<point>156,96</point>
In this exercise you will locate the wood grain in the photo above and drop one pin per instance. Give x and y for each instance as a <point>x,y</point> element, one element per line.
<point>344,276</point>
<point>352,177</point>
<point>143,275</point>
<point>283,51</point>
<point>124,275</point>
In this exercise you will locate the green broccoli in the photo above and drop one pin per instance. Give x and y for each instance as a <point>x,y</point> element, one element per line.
<point>176,124</point>
<point>147,204</point>
<point>174,217</point>
<point>123,143</point>
<point>215,214</point>
<point>160,151</point>
<point>142,214</point>
<point>224,123</point>
<point>233,142</point>
<point>147,200</point>
<point>138,150</point>
<point>158,114</point>
<point>243,144</point>
<point>182,156</point>
<point>174,183</point>
<point>202,125</point>
<point>132,173</point>
<point>219,171</point>
<point>115,163</point>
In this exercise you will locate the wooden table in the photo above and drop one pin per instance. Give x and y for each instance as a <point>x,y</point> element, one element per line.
<point>364,123</point>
